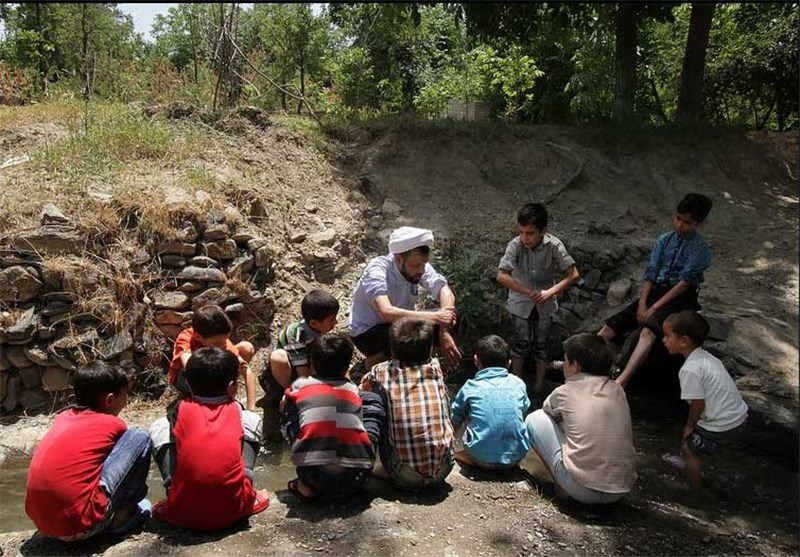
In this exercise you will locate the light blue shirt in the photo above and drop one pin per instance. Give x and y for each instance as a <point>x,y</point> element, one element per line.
<point>494,404</point>
<point>382,278</point>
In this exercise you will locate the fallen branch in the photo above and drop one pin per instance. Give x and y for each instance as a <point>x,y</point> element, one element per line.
<point>573,178</point>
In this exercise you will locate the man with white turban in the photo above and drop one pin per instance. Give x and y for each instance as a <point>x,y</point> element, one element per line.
<point>388,290</point>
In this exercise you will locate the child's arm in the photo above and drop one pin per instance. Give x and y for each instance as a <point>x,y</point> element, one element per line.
<point>459,409</point>
<point>671,294</point>
<point>696,408</point>
<point>558,288</point>
<point>504,277</point>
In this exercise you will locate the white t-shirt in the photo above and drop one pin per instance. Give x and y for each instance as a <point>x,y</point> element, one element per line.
<point>704,377</point>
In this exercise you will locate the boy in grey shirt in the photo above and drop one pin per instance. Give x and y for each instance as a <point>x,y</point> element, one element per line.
<point>529,269</point>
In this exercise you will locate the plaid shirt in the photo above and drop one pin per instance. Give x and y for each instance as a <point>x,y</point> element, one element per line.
<point>418,413</point>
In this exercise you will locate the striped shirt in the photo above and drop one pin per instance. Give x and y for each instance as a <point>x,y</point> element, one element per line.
<point>331,431</point>
<point>675,258</point>
<point>418,413</point>
<point>295,339</point>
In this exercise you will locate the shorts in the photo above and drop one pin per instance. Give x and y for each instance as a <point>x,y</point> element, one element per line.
<point>625,320</point>
<point>530,336</point>
<point>331,484</point>
<point>704,442</point>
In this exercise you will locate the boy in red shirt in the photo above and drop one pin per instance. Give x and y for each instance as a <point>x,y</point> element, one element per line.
<point>206,449</point>
<point>211,327</point>
<point>89,472</point>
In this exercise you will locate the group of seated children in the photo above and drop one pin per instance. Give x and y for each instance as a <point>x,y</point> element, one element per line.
<point>88,473</point>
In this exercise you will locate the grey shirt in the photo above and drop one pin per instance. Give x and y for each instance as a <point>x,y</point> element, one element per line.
<point>535,268</point>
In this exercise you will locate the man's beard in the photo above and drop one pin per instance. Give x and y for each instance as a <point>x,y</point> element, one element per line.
<point>412,280</point>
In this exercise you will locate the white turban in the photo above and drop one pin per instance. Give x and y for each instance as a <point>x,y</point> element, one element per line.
<point>407,238</point>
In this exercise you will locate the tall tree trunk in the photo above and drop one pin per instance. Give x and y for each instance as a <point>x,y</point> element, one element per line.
<point>302,85</point>
<point>690,97</point>
<point>625,65</point>
<point>42,61</point>
<point>86,70</point>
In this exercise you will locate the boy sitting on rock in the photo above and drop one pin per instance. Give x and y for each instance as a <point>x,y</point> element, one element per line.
<point>211,327</point>
<point>717,413</point>
<point>493,404</point>
<point>322,420</point>
<point>670,283</point>
<point>88,474</point>
<point>206,449</point>
<point>416,436</point>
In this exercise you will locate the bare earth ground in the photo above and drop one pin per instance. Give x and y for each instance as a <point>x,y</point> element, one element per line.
<point>466,183</point>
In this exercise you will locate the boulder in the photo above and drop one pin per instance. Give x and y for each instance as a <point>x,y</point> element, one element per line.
<point>256,243</point>
<point>176,247</point>
<point>242,236</point>
<point>171,261</point>
<point>199,274</point>
<point>13,392</point>
<point>203,261</point>
<point>222,250</point>
<point>16,356</point>
<point>170,300</point>
<point>325,238</point>
<point>51,239</point>
<point>55,378</point>
<point>618,291</point>
<point>114,346</point>
<point>591,279</point>
<point>30,377</point>
<point>603,260</point>
<point>24,330</point>
<point>264,257</point>
<point>52,215</point>
<point>218,296</point>
<point>241,265</point>
<point>37,353</point>
<point>18,286</point>
<point>215,232</point>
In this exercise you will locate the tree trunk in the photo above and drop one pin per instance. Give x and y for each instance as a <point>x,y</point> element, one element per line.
<point>690,97</point>
<point>625,64</point>
<point>302,85</point>
<point>86,70</point>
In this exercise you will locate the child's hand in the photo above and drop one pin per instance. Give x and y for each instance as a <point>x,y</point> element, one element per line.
<point>643,314</point>
<point>541,296</point>
<point>366,384</point>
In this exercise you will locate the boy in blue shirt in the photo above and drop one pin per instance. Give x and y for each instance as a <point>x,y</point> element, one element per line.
<point>493,404</point>
<point>670,283</point>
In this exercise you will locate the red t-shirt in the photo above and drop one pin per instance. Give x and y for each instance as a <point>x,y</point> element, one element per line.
<point>63,495</point>
<point>209,489</point>
<point>189,340</point>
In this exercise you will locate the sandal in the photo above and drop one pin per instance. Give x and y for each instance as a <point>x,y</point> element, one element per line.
<point>294,487</point>
<point>676,461</point>
<point>141,513</point>
<point>260,503</point>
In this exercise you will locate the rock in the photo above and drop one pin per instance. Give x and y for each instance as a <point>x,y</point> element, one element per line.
<point>591,279</point>
<point>4,375</point>
<point>216,232</point>
<point>187,234</point>
<point>170,317</point>
<point>234,308</point>
<point>5,364</point>
<point>170,300</point>
<point>191,286</point>
<point>264,257</point>
<point>256,243</point>
<point>603,260</point>
<point>222,250</point>
<point>18,286</point>
<point>35,399</point>
<point>52,215</point>
<point>242,236</point>
<point>568,320</point>
<point>325,238</point>
<point>63,361</point>
<point>114,346</point>
<point>218,296</point>
<point>56,303</point>
<point>55,378</point>
<point>86,338</point>
<point>46,332</point>
<point>30,377</point>
<point>311,207</point>
<point>37,354</point>
<point>391,209</point>
<point>719,325</point>
<point>171,261</point>
<point>13,392</point>
<point>51,239</point>
<point>241,265</point>
<point>297,237</point>
<point>176,247</point>
<point>198,274</point>
<point>203,261</point>
<point>16,356</point>
<point>617,291</point>
<point>170,331</point>
<point>24,330</point>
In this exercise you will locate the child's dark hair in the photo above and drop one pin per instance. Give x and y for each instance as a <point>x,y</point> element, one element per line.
<point>533,214</point>
<point>591,352</point>
<point>492,351</point>
<point>318,304</point>
<point>330,355</point>
<point>411,340</point>
<point>210,321</point>
<point>695,204</point>
<point>210,370</point>
<point>97,379</point>
<point>690,324</point>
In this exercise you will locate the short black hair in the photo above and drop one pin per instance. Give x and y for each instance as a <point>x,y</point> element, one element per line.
<point>492,351</point>
<point>411,340</point>
<point>532,214</point>
<point>210,370</point>
<point>210,321</point>
<point>591,352</point>
<point>318,304</point>
<point>689,323</point>
<point>93,381</point>
<point>695,204</point>
<point>330,355</point>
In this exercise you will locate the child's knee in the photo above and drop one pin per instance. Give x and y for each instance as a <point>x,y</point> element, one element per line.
<point>279,357</point>
<point>246,350</point>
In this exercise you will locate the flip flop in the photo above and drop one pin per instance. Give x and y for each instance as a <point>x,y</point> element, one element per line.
<point>295,489</point>
<point>676,461</point>
<point>260,503</point>
<point>142,512</point>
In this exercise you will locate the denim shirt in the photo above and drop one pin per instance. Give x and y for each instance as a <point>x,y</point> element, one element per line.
<point>675,258</point>
<point>494,404</point>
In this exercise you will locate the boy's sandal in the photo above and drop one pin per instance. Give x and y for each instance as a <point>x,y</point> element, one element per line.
<point>294,487</point>
<point>260,503</point>
<point>142,512</point>
<point>676,461</point>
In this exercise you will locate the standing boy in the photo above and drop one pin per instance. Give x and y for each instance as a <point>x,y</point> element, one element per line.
<point>528,269</point>
<point>493,405</point>
<point>89,472</point>
<point>717,413</point>
<point>670,283</point>
<point>211,327</point>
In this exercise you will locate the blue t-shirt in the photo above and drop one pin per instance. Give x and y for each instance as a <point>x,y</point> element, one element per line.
<point>494,405</point>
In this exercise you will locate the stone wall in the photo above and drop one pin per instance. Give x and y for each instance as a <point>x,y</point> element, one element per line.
<point>66,301</point>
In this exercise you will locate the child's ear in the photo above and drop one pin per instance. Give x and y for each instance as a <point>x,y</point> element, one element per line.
<point>231,390</point>
<point>107,402</point>
<point>477,361</point>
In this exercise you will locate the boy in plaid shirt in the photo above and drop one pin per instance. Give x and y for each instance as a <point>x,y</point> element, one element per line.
<point>416,436</point>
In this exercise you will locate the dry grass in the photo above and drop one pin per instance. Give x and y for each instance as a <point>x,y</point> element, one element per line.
<point>67,113</point>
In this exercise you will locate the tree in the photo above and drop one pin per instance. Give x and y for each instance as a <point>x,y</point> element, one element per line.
<point>625,60</point>
<point>690,98</point>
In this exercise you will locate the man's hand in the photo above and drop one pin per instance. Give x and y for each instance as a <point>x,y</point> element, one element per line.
<point>452,355</point>
<point>541,296</point>
<point>366,384</point>
<point>445,317</point>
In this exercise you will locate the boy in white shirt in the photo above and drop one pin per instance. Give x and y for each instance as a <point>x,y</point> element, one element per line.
<point>717,413</point>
